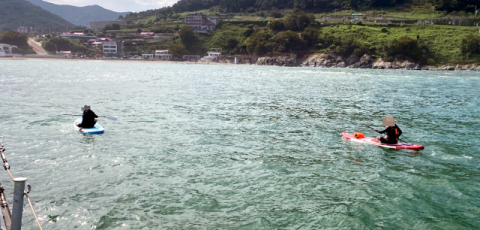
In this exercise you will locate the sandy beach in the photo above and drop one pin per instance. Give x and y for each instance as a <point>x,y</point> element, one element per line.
<point>50,58</point>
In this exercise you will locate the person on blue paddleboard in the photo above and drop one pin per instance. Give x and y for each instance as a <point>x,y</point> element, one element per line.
<point>391,129</point>
<point>88,118</point>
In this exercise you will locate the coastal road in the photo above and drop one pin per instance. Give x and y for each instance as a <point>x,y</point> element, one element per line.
<point>37,47</point>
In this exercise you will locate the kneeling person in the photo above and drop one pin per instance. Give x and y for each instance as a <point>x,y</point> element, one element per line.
<point>391,129</point>
<point>88,118</point>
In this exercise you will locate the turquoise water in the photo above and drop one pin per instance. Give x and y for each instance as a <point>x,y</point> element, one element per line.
<point>240,147</point>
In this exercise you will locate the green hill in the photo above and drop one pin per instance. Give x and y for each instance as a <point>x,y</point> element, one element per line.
<point>15,13</point>
<point>312,6</point>
<point>79,15</point>
<point>280,27</point>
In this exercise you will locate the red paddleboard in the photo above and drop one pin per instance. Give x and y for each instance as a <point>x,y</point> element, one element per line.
<point>373,141</point>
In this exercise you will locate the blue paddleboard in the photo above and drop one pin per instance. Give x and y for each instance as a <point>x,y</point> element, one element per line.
<point>97,129</point>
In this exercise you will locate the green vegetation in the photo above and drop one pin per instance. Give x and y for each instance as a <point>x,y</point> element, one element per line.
<point>426,44</point>
<point>299,32</point>
<point>15,13</point>
<point>16,39</point>
<point>437,42</point>
<point>470,45</point>
<point>273,27</point>
<point>113,26</point>
<point>54,44</point>
<point>396,8</point>
<point>230,37</point>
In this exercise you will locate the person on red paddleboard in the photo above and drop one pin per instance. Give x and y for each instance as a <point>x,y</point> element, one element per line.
<point>88,118</point>
<point>391,129</point>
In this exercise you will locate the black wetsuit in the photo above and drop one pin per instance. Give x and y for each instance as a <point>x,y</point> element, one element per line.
<point>393,133</point>
<point>88,120</point>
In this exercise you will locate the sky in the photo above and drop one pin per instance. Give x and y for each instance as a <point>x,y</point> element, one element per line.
<point>119,5</point>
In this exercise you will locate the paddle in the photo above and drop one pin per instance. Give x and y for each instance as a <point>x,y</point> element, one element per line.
<point>377,132</point>
<point>109,117</point>
<point>368,126</point>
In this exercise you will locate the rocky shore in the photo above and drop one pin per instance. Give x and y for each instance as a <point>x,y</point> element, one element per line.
<point>353,61</point>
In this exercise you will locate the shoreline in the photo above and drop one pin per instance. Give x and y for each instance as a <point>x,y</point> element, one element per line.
<point>405,65</point>
<point>111,60</point>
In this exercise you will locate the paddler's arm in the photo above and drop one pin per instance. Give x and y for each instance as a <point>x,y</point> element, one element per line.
<point>93,113</point>
<point>383,131</point>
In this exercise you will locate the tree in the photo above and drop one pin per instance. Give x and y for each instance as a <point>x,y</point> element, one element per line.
<point>107,27</point>
<point>471,44</point>
<point>186,34</point>
<point>57,44</point>
<point>310,35</point>
<point>298,20</point>
<point>115,26</point>
<point>261,49</point>
<point>456,5</point>
<point>276,25</point>
<point>177,50</point>
<point>382,3</point>
<point>14,38</point>
<point>286,41</point>
<point>231,43</point>
<point>257,43</point>
<point>406,48</point>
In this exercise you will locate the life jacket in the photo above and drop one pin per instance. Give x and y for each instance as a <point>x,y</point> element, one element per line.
<point>359,135</point>
<point>395,129</point>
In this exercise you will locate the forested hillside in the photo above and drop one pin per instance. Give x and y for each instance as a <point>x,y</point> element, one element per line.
<point>236,6</point>
<point>15,13</point>
<point>79,15</point>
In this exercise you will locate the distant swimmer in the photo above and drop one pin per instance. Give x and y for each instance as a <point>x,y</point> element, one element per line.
<point>88,118</point>
<point>391,129</point>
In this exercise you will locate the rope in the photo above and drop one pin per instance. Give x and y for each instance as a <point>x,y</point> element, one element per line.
<point>6,165</point>
<point>3,201</point>
<point>31,207</point>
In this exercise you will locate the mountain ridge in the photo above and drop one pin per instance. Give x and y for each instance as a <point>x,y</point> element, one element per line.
<point>16,13</point>
<point>79,15</point>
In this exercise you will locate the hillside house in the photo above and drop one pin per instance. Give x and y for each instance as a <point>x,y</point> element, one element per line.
<point>24,29</point>
<point>76,35</point>
<point>111,48</point>
<point>200,22</point>
<point>147,35</point>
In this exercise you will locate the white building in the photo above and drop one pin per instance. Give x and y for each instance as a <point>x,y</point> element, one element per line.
<point>200,22</point>
<point>64,53</point>
<point>215,19</point>
<point>191,57</point>
<point>213,54</point>
<point>147,56</point>
<point>6,50</point>
<point>24,29</point>
<point>110,48</point>
<point>163,55</point>
<point>147,35</point>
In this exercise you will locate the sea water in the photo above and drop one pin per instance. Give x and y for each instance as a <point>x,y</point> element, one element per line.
<point>240,147</point>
